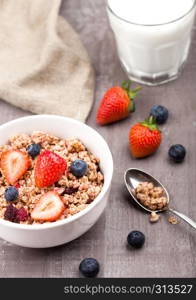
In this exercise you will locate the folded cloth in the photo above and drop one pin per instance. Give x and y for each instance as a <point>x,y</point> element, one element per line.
<point>44,68</point>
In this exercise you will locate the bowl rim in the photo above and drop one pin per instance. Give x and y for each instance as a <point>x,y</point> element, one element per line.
<point>96,201</point>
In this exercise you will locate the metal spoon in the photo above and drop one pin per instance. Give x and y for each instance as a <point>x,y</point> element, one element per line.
<point>133,177</point>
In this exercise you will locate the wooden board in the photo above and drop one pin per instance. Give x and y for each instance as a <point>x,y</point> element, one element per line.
<point>169,249</point>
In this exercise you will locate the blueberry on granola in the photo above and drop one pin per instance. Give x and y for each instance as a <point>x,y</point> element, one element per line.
<point>136,239</point>
<point>78,168</point>
<point>89,267</point>
<point>11,193</point>
<point>34,150</point>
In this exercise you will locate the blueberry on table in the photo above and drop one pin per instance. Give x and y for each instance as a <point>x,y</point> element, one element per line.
<point>177,153</point>
<point>160,113</point>
<point>136,239</point>
<point>78,168</point>
<point>11,193</point>
<point>89,267</point>
<point>34,150</point>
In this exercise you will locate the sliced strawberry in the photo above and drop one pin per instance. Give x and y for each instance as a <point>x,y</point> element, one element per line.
<point>59,191</point>
<point>49,168</point>
<point>49,207</point>
<point>14,164</point>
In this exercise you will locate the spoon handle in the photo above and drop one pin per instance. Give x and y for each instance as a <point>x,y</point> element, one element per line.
<point>185,218</point>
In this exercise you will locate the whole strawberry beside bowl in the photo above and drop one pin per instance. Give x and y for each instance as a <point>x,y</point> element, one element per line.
<point>117,103</point>
<point>144,138</point>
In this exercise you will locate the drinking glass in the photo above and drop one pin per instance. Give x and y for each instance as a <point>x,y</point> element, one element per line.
<point>156,53</point>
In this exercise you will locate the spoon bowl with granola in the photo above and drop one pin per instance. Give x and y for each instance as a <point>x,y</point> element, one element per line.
<point>150,194</point>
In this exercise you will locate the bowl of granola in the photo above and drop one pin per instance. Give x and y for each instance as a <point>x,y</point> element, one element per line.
<point>55,178</point>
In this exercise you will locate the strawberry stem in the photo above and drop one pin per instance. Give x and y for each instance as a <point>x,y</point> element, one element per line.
<point>152,120</point>
<point>150,123</point>
<point>132,93</point>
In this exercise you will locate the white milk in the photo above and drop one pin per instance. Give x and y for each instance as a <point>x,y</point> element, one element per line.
<point>153,36</point>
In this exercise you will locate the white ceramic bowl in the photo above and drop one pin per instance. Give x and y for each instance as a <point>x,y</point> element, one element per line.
<point>62,231</point>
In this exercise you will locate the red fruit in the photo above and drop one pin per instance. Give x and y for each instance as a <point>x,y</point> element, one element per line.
<point>49,207</point>
<point>21,215</point>
<point>59,190</point>
<point>117,104</point>
<point>49,168</point>
<point>144,138</point>
<point>14,164</point>
<point>10,213</point>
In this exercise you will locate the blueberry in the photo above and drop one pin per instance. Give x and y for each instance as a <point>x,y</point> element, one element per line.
<point>11,193</point>
<point>34,150</point>
<point>177,153</point>
<point>78,168</point>
<point>160,113</point>
<point>89,267</point>
<point>136,239</point>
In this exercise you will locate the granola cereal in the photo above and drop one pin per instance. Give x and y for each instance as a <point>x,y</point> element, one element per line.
<point>150,196</point>
<point>154,217</point>
<point>76,193</point>
<point>173,220</point>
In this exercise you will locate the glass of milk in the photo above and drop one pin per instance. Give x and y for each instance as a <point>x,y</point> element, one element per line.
<point>153,37</point>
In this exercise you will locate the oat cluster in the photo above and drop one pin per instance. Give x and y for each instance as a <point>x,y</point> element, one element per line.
<point>154,217</point>
<point>76,193</point>
<point>150,196</point>
<point>173,220</point>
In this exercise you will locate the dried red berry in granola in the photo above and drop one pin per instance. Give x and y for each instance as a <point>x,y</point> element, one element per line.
<point>10,213</point>
<point>70,190</point>
<point>89,201</point>
<point>22,215</point>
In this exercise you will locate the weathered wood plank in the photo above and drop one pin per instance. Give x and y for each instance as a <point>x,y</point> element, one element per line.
<point>169,249</point>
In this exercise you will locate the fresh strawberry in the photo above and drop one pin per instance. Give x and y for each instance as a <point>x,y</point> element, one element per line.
<point>49,168</point>
<point>117,103</point>
<point>144,138</point>
<point>14,164</point>
<point>49,207</point>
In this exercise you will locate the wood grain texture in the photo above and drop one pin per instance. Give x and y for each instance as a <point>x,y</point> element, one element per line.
<point>169,249</point>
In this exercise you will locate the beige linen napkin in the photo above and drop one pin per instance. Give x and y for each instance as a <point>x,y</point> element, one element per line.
<point>44,68</point>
